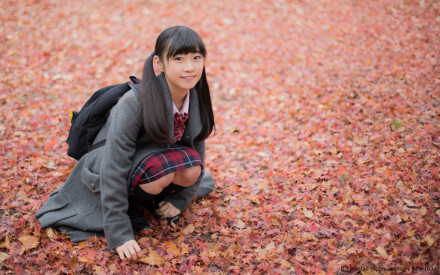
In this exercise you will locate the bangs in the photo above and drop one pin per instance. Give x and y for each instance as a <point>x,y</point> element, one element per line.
<point>185,41</point>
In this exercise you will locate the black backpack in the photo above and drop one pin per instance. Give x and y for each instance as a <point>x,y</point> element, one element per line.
<point>86,123</point>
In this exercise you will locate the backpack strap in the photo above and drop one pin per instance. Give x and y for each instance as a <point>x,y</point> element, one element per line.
<point>134,82</point>
<point>97,145</point>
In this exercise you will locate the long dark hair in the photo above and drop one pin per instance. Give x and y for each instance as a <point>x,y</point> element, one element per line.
<point>172,41</point>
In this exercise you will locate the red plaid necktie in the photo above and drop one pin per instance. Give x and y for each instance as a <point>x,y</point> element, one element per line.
<point>179,124</point>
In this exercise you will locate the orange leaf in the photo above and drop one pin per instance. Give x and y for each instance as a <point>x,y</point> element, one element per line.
<point>382,252</point>
<point>172,248</point>
<point>3,257</point>
<point>307,213</point>
<point>152,259</point>
<point>240,224</point>
<point>189,229</point>
<point>28,242</point>
<point>7,243</point>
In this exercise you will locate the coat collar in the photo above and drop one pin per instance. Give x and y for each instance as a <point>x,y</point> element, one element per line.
<point>194,124</point>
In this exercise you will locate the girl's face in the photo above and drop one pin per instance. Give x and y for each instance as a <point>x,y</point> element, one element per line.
<point>182,71</point>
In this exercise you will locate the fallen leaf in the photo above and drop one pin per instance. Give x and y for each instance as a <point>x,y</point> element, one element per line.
<point>285,263</point>
<point>428,241</point>
<point>240,224</point>
<point>50,233</point>
<point>152,259</point>
<point>73,263</point>
<point>307,213</point>
<point>189,229</point>
<point>171,248</point>
<point>28,242</point>
<point>3,257</point>
<point>316,143</point>
<point>382,252</point>
<point>7,243</point>
<point>409,203</point>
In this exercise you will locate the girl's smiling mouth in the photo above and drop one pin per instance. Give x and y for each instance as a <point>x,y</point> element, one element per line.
<point>188,77</point>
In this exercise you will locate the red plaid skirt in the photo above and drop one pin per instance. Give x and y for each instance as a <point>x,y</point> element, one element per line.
<point>157,165</point>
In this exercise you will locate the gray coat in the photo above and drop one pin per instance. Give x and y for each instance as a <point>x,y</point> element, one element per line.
<point>93,200</point>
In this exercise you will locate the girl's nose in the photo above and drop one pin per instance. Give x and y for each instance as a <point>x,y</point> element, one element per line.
<point>189,66</point>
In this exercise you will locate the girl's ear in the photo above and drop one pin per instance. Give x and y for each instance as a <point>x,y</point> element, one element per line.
<point>157,65</point>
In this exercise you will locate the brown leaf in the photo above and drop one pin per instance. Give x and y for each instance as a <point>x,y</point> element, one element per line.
<point>152,259</point>
<point>307,213</point>
<point>428,241</point>
<point>7,243</point>
<point>171,248</point>
<point>423,211</point>
<point>240,224</point>
<point>410,203</point>
<point>382,252</point>
<point>28,242</point>
<point>50,233</point>
<point>3,256</point>
<point>73,263</point>
<point>189,229</point>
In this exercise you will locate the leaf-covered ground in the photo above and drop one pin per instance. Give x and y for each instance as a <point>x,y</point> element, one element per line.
<point>328,132</point>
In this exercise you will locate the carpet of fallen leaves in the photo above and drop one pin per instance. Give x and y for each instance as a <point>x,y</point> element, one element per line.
<point>327,145</point>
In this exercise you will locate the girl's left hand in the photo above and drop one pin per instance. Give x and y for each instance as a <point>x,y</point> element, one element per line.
<point>167,210</point>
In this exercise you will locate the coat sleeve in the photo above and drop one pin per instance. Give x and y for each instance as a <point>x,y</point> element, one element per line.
<point>182,198</point>
<point>119,152</point>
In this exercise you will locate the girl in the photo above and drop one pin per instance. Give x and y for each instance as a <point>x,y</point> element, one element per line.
<point>154,151</point>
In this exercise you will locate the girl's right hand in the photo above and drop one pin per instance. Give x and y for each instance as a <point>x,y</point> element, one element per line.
<point>129,250</point>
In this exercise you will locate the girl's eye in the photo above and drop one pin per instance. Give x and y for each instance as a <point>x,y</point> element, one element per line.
<point>178,58</point>
<point>197,57</point>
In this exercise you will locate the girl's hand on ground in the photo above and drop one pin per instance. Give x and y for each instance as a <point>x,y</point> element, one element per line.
<point>167,210</point>
<point>129,250</point>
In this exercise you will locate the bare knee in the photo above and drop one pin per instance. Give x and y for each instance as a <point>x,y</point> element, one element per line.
<point>187,177</point>
<point>155,187</point>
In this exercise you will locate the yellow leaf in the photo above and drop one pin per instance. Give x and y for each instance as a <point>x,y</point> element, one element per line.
<point>404,216</point>
<point>429,241</point>
<point>143,241</point>
<point>285,263</point>
<point>410,203</point>
<point>23,196</point>
<point>275,221</point>
<point>3,257</point>
<point>28,242</point>
<point>240,224</point>
<point>83,259</point>
<point>308,213</point>
<point>280,248</point>
<point>382,252</point>
<point>73,263</point>
<point>185,249</point>
<point>361,141</point>
<point>422,211</point>
<point>410,233</point>
<point>97,269</point>
<point>254,199</point>
<point>50,233</point>
<point>171,248</point>
<point>152,259</point>
<point>7,243</point>
<point>213,247</point>
<point>189,229</point>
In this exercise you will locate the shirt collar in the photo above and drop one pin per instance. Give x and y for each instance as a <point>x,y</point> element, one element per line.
<point>185,106</point>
